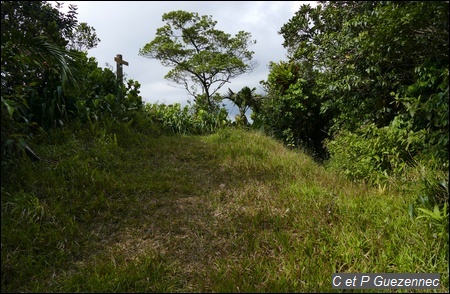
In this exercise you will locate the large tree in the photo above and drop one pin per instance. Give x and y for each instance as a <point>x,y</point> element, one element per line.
<point>199,54</point>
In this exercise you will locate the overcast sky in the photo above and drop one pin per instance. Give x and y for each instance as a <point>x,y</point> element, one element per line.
<point>124,27</point>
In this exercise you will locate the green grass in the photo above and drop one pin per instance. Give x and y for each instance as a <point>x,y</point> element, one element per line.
<point>230,212</point>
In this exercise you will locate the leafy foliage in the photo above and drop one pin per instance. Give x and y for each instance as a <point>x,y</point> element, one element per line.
<point>187,120</point>
<point>375,154</point>
<point>291,111</point>
<point>29,19</point>
<point>245,99</point>
<point>358,65</point>
<point>438,218</point>
<point>366,50</point>
<point>426,109</point>
<point>45,84</point>
<point>83,38</point>
<point>103,97</point>
<point>36,70</point>
<point>201,56</point>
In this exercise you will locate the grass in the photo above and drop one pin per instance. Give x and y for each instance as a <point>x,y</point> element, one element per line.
<point>230,212</point>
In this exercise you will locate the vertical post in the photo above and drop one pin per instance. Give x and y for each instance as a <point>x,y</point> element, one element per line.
<point>120,62</point>
<point>119,72</point>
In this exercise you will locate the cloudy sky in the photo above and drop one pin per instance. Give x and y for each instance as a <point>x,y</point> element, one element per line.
<point>124,27</point>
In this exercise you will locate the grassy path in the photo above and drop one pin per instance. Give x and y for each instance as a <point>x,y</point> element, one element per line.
<point>230,212</point>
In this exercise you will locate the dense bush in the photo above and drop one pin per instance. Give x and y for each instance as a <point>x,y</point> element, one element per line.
<point>373,153</point>
<point>187,119</point>
<point>291,110</point>
<point>368,78</point>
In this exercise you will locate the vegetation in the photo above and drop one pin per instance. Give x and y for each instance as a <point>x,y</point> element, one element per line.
<point>45,84</point>
<point>245,99</point>
<point>291,111</point>
<point>200,54</point>
<point>353,64</point>
<point>189,120</point>
<point>234,211</point>
<point>344,169</point>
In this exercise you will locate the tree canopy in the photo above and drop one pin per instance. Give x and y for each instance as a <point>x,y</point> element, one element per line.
<point>83,38</point>
<point>381,67</point>
<point>367,50</point>
<point>201,56</point>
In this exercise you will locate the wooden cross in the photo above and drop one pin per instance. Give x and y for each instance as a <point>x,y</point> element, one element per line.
<point>120,62</point>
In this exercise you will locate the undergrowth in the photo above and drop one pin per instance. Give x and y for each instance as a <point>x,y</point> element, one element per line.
<point>234,211</point>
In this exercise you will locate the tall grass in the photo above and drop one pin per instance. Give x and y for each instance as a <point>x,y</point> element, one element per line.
<point>234,211</point>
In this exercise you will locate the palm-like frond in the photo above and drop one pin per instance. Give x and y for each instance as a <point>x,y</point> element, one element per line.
<point>41,51</point>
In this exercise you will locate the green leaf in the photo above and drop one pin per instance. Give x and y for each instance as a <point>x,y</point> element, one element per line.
<point>9,106</point>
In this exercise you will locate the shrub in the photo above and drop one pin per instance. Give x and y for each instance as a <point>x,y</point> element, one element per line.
<point>187,120</point>
<point>373,153</point>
